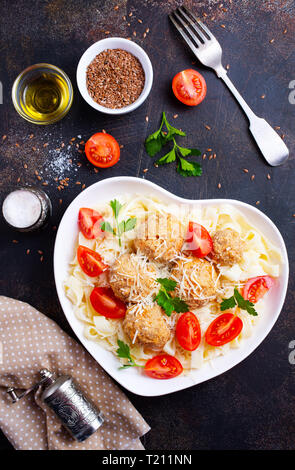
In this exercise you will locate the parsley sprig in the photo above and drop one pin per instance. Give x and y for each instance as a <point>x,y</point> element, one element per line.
<point>156,141</point>
<point>121,227</point>
<point>166,301</point>
<point>238,299</point>
<point>123,351</point>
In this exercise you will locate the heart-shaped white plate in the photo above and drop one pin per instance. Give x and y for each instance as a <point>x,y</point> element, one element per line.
<point>133,379</point>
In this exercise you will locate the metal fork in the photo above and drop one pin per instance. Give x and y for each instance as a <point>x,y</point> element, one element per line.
<point>208,51</point>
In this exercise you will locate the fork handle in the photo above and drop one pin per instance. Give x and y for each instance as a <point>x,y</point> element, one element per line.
<point>270,143</point>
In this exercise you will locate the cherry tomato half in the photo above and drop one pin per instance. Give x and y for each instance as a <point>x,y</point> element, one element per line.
<point>223,329</point>
<point>89,222</point>
<point>163,367</point>
<point>102,150</point>
<point>106,303</point>
<point>189,87</point>
<point>90,261</point>
<point>256,287</point>
<point>198,240</point>
<point>188,331</point>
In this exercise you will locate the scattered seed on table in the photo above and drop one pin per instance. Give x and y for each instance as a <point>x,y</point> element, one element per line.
<point>210,157</point>
<point>54,227</point>
<point>4,137</point>
<point>204,14</point>
<point>107,32</point>
<point>145,170</point>
<point>130,14</point>
<point>139,20</point>
<point>39,178</point>
<point>40,252</point>
<point>175,116</point>
<point>121,146</point>
<point>116,7</point>
<point>83,186</point>
<point>124,18</point>
<point>46,145</point>
<point>156,165</point>
<point>277,127</point>
<point>134,33</point>
<point>227,67</point>
<point>41,258</point>
<point>36,173</point>
<point>31,136</point>
<point>209,150</point>
<point>268,176</point>
<point>45,183</point>
<point>222,26</point>
<point>28,251</point>
<point>262,97</point>
<point>207,127</point>
<point>219,186</point>
<point>204,156</point>
<point>252,177</point>
<point>214,156</point>
<point>147,119</point>
<point>62,145</point>
<point>147,30</point>
<point>285,31</point>
<point>14,241</point>
<point>271,41</point>
<point>60,201</point>
<point>283,136</point>
<point>25,165</point>
<point>34,149</point>
<point>95,170</point>
<point>257,203</point>
<point>245,170</point>
<point>18,179</point>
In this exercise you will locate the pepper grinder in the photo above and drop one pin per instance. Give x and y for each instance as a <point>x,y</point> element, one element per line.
<point>77,414</point>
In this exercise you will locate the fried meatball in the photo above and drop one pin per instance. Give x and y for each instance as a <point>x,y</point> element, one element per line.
<point>227,247</point>
<point>132,278</point>
<point>197,281</point>
<point>146,325</point>
<point>160,237</point>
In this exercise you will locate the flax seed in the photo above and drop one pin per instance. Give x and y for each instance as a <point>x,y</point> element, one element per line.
<point>45,183</point>
<point>28,251</point>
<point>209,150</point>
<point>204,156</point>
<point>40,252</point>
<point>219,186</point>
<point>271,41</point>
<point>222,26</point>
<point>207,127</point>
<point>204,14</point>
<point>83,186</point>
<point>145,170</point>
<point>175,116</point>
<point>41,258</point>
<point>139,20</point>
<point>4,137</point>
<point>245,170</point>
<point>252,177</point>
<point>285,31</point>
<point>18,179</point>
<point>116,7</point>
<point>25,166</point>
<point>130,14</point>
<point>31,136</point>
<point>268,176</point>
<point>147,119</point>
<point>134,33</point>
<point>147,30</point>
<point>45,145</point>
<point>95,170</point>
<point>227,67</point>
<point>60,201</point>
<point>214,156</point>
<point>34,149</point>
<point>262,97</point>
<point>36,173</point>
<point>144,35</point>
<point>210,157</point>
<point>14,241</point>
<point>257,203</point>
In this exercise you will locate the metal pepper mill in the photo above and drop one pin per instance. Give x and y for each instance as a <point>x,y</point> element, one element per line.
<point>77,414</point>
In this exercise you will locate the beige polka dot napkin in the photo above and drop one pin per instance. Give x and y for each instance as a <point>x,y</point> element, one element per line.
<point>29,341</point>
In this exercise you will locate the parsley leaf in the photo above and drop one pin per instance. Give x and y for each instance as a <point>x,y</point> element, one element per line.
<point>168,284</point>
<point>238,299</point>
<point>168,158</point>
<point>164,299</point>
<point>244,304</point>
<point>186,168</point>
<point>155,142</point>
<point>123,351</point>
<point>106,227</point>
<point>226,304</point>
<point>123,226</point>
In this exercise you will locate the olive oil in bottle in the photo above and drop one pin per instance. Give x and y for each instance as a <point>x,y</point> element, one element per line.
<point>42,94</point>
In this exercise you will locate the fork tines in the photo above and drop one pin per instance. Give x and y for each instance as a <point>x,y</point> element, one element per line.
<point>193,31</point>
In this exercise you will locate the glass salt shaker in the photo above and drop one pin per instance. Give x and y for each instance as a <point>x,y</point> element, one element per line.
<point>26,209</point>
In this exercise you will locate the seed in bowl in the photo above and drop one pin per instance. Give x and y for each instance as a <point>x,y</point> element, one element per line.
<point>115,78</point>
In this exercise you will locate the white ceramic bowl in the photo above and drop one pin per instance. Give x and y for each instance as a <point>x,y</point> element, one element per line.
<point>132,379</point>
<point>114,43</point>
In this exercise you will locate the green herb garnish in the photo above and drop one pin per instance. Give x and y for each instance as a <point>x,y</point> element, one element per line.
<point>156,141</point>
<point>166,301</point>
<point>121,227</point>
<point>238,299</point>
<point>123,351</point>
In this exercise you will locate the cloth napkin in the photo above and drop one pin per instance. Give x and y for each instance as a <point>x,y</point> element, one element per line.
<point>30,341</point>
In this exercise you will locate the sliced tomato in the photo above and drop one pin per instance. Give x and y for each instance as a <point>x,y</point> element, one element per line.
<point>89,222</point>
<point>90,261</point>
<point>223,329</point>
<point>188,331</point>
<point>198,240</point>
<point>163,367</point>
<point>189,87</point>
<point>106,303</point>
<point>102,150</point>
<point>256,287</point>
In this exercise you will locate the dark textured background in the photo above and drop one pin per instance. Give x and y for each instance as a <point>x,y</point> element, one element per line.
<point>252,406</point>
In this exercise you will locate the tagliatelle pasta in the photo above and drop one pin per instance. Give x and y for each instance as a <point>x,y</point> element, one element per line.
<point>259,258</point>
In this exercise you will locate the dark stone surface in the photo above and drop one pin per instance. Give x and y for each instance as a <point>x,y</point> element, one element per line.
<point>252,405</point>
